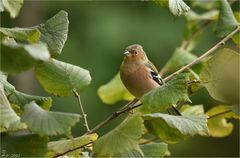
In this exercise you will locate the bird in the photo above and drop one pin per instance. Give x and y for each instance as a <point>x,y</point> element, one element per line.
<point>138,74</point>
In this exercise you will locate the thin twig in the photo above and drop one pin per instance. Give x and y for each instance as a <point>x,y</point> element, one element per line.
<point>222,42</point>
<point>150,140</point>
<point>218,114</point>
<point>82,110</point>
<point>68,151</point>
<point>114,115</point>
<point>187,41</point>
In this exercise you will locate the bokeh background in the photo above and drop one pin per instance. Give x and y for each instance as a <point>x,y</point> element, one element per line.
<point>98,34</point>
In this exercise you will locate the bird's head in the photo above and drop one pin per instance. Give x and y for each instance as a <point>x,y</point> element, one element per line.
<point>135,53</point>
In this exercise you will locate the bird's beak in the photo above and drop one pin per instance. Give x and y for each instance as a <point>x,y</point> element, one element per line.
<point>126,53</point>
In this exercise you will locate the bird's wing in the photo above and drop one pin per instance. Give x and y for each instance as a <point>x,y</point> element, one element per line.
<point>154,73</point>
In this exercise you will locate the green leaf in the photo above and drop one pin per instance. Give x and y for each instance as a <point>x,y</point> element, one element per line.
<point>226,22</point>
<point>122,139</point>
<point>163,97</point>
<point>12,6</point>
<point>149,150</point>
<point>47,122</point>
<point>10,121</point>
<point>16,57</point>
<point>22,99</point>
<point>188,110</point>
<point>236,37</point>
<point>61,78</point>
<point>235,108</point>
<point>54,32</point>
<point>162,3</point>
<point>180,58</point>
<point>172,129</point>
<point>204,4</point>
<point>178,7</point>
<point>23,144</point>
<point>210,15</point>
<point>31,35</point>
<point>220,76</point>
<point>114,91</point>
<point>217,121</point>
<point>19,98</point>
<point>62,146</point>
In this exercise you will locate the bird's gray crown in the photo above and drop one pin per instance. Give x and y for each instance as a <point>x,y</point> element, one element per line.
<point>134,47</point>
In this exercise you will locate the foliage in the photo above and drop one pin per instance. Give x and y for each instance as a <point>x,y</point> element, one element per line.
<point>117,89</point>
<point>27,123</point>
<point>217,122</point>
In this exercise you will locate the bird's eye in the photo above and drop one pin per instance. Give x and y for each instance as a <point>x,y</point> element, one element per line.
<point>135,52</point>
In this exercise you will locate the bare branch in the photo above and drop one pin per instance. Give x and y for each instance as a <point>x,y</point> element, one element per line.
<point>219,44</point>
<point>82,110</point>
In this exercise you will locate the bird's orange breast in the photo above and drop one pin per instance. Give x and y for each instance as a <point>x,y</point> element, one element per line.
<point>136,81</point>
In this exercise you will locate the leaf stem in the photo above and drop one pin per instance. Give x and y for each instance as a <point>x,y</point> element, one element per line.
<point>211,50</point>
<point>82,110</point>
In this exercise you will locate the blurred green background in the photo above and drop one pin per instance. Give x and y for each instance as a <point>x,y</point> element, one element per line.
<point>98,34</point>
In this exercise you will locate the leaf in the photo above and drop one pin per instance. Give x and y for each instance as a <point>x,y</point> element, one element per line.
<point>206,4</point>
<point>162,3</point>
<point>23,144</point>
<point>188,110</point>
<point>47,122</point>
<point>178,7</point>
<point>180,58</point>
<point>121,139</point>
<point>62,146</point>
<point>31,35</point>
<point>20,57</point>
<point>210,15</point>
<point>149,150</point>
<point>12,6</point>
<point>19,98</point>
<point>171,128</point>
<point>163,97</point>
<point>114,91</point>
<point>10,121</point>
<point>217,122</point>
<point>61,78</point>
<point>220,76</point>
<point>226,22</point>
<point>54,32</point>
<point>236,37</point>
<point>235,109</point>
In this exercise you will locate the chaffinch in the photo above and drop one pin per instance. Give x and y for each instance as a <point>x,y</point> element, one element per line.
<point>138,74</point>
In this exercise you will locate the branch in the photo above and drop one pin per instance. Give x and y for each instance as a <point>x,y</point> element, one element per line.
<point>129,106</point>
<point>222,42</point>
<point>82,110</point>
<point>187,41</point>
<point>218,114</point>
<point>76,148</point>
